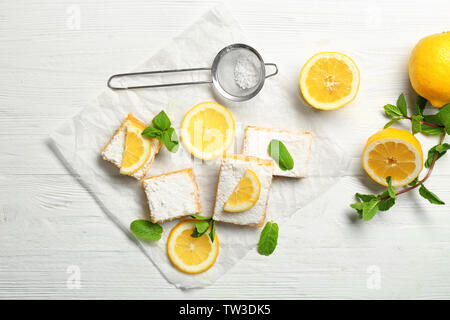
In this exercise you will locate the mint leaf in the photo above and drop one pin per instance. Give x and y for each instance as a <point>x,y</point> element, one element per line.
<point>401,104</point>
<point>414,182</point>
<point>161,121</point>
<point>212,233</point>
<point>390,123</point>
<point>430,196</point>
<point>357,205</point>
<point>196,216</point>
<point>390,188</point>
<point>441,149</point>
<point>444,117</point>
<point>151,132</point>
<point>146,230</point>
<point>170,140</point>
<point>416,122</point>
<point>200,228</point>
<point>281,155</point>
<point>268,239</point>
<point>420,105</point>
<point>386,204</point>
<point>365,197</point>
<point>432,118</point>
<point>432,130</point>
<point>370,209</point>
<point>392,111</point>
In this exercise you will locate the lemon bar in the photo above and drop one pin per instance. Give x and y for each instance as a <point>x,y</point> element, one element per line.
<point>172,195</point>
<point>232,169</point>
<point>113,151</point>
<point>298,143</point>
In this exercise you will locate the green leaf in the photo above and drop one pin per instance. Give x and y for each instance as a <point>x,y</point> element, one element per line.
<point>390,123</point>
<point>444,117</point>
<point>200,228</point>
<point>365,197</point>
<point>212,233</point>
<point>414,182</point>
<point>196,216</point>
<point>432,118</point>
<point>357,205</point>
<point>146,230</point>
<point>170,140</point>
<point>268,239</point>
<point>370,209</point>
<point>281,155</point>
<point>421,102</point>
<point>386,204</point>
<point>401,104</point>
<point>441,149</point>
<point>390,188</point>
<point>432,130</point>
<point>392,111</point>
<point>416,123</point>
<point>161,121</point>
<point>430,196</point>
<point>151,132</point>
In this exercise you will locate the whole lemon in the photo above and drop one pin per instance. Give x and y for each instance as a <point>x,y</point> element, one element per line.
<point>429,68</point>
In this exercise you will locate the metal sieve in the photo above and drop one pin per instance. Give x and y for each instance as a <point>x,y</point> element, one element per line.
<point>222,72</point>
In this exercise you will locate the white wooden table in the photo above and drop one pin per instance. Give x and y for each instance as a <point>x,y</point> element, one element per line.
<point>55,56</point>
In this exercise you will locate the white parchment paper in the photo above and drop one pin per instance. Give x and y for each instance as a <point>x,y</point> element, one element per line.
<point>79,140</point>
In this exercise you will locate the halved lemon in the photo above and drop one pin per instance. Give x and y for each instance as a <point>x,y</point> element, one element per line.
<point>329,80</point>
<point>189,254</point>
<point>207,130</point>
<point>393,152</point>
<point>245,194</point>
<point>137,148</point>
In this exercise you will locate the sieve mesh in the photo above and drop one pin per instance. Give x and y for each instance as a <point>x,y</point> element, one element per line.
<point>240,72</point>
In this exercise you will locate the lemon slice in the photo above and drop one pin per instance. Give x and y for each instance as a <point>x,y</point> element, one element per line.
<point>207,130</point>
<point>137,149</point>
<point>189,254</point>
<point>329,80</point>
<point>393,152</point>
<point>245,194</point>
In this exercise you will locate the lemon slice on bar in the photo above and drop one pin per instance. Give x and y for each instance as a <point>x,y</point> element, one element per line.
<point>245,194</point>
<point>137,149</point>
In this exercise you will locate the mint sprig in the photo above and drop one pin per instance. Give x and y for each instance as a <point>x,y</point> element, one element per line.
<point>281,155</point>
<point>431,124</point>
<point>146,230</point>
<point>203,225</point>
<point>368,205</point>
<point>162,130</point>
<point>268,239</point>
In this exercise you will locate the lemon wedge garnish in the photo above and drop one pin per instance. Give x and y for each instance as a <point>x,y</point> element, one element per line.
<point>245,194</point>
<point>189,254</point>
<point>207,130</point>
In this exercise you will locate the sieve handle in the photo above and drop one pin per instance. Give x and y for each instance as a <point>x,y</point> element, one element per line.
<point>157,85</point>
<point>273,73</point>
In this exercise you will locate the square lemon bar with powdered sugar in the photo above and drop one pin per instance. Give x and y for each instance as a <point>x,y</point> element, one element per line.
<point>172,195</point>
<point>114,149</point>
<point>298,143</point>
<point>232,169</point>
